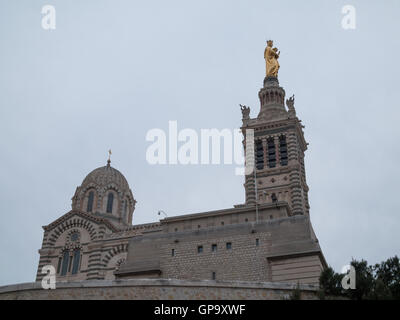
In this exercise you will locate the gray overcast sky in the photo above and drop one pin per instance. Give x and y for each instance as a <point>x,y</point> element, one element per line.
<point>112,70</point>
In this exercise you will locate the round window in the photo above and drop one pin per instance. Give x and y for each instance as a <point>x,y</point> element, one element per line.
<point>74,237</point>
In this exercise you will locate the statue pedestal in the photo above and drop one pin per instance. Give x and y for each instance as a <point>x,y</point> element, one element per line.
<point>271,82</point>
<point>272,99</point>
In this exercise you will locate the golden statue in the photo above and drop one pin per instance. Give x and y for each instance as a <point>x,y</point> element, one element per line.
<point>271,56</point>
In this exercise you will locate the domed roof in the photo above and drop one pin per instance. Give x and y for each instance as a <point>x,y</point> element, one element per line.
<point>106,175</point>
<point>106,193</point>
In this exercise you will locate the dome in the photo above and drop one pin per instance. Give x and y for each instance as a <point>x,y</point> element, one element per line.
<point>104,176</point>
<point>105,192</point>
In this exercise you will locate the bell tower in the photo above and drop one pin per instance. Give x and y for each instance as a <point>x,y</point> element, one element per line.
<point>279,146</point>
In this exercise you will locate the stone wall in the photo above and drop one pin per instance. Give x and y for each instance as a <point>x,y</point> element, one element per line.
<point>305,269</point>
<point>280,250</point>
<point>157,289</point>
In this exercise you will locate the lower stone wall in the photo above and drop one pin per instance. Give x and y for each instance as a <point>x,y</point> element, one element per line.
<point>157,289</point>
<point>306,269</point>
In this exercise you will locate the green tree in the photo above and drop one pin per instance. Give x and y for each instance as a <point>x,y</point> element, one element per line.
<point>388,275</point>
<point>330,282</point>
<point>379,282</point>
<point>364,281</point>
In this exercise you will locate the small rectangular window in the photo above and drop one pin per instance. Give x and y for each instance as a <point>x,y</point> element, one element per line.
<point>257,242</point>
<point>214,276</point>
<point>199,249</point>
<point>173,252</point>
<point>228,245</point>
<point>214,248</point>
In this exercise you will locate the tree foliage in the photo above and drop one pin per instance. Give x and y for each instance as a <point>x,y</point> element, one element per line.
<point>378,282</point>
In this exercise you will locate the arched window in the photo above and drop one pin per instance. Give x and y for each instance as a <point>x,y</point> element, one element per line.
<point>77,257</point>
<point>110,201</point>
<point>283,151</point>
<point>259,155</point>
<point>125,208</point>
<point>59,265</point>
<point>271,153</point>
<point>90,201</point>
<point>65,261</point>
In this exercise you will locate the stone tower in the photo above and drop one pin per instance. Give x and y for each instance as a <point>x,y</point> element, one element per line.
<point>279,147</point>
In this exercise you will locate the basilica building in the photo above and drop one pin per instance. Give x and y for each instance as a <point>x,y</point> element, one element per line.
<point>269,238</point>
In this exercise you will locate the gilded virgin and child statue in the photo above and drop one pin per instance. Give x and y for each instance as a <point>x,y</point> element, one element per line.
<point>271,56</point>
